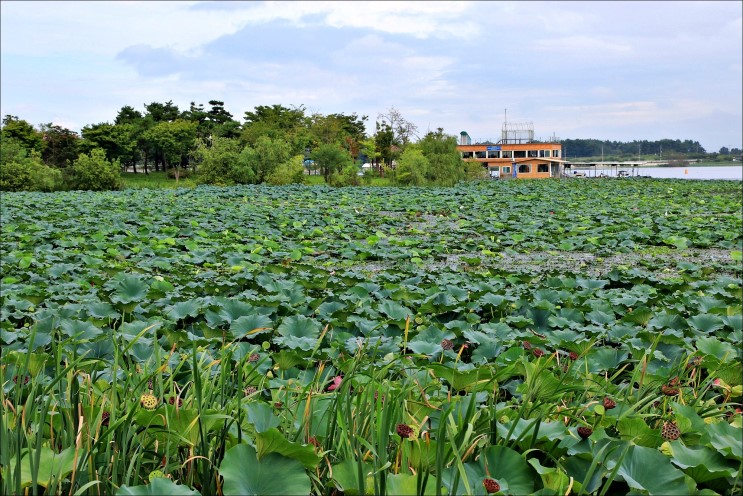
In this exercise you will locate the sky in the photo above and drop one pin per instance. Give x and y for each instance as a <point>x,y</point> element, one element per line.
<point>618,71</point>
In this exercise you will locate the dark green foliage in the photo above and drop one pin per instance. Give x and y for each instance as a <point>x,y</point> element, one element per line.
<point>60,146</point>
<point>334,163</point>
<point>412,167</point>
<point>94,172</point>
<point>446,167</point>
<point>21,171</point>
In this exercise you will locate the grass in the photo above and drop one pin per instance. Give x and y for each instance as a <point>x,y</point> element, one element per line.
<point>160,180</point>
<point>154,180</point>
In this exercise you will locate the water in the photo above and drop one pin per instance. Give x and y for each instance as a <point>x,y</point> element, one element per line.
<point>732,172</point>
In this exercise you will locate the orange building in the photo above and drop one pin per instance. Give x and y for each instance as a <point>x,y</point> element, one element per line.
<point>527,160</point>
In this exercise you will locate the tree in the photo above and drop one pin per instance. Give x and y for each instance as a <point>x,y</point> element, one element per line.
<point>127,115</point>
<point>222,163</point>
<point>163,112</point>
<point>174,140</point>
<point>402,129</point>
<point>21,131</point>
<point>277,122</point>
<point>60,145</point>
<point>265,157</point>
<point>446,165</point>
<point>383,141</point>
<point>347,130</point>
<point>94,172</point>
<point>331,159</point>
<point>289,172</point>
<point>412,167</point>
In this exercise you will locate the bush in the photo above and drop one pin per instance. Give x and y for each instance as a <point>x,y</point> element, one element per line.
<point>412,167</point>
<point>93,172</point>
<point>290,172</point>
<point>219,163</point>
<point>21,172</point>
<point>474,171</point>
<point>348,176</point>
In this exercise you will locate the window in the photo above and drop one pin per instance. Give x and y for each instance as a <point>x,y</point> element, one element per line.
<point>506,154</point>
<point>555,153</point>
<point>493,154</point>
<point>466,154</point>
<point>505,169</point>
<point>479,154</point>
<point>519,154</point>
<point>524,168</point>
<point>493,167</point>
<point>533,153</point>
<point>543,168</point>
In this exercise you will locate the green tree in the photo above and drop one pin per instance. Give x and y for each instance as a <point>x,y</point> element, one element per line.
<point>21,131</point>
<point>412,167</point>
<point>222,163</point>
<point>277,122</point>
<point>174,140</point>
<point>331,159</point>
<point>117,140</point>
<point>21,170</point>
<point>446,167</point>
<point>94,172</point>
<point>348,130</point>
<point>383,141</point>
<point>265,157</point>
<point>289,172</point>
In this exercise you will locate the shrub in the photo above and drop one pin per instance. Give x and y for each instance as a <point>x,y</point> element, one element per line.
<point>348,176</point>
<point>412,167</point>
<point>290,172</point>
<point>474,171</point>
<point>216,164</point>
<point>94,172</point>
<point>20,171</point>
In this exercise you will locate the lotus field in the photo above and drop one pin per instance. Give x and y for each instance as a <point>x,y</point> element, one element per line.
<point>516,337</point>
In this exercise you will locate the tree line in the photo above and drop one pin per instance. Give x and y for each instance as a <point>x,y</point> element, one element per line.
<point>275,144</point>
<point>662,149</point>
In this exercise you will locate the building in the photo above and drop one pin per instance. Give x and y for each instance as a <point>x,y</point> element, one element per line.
<point>516,155</point>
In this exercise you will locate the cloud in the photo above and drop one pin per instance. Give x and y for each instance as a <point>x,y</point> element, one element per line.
<point>608,69</point>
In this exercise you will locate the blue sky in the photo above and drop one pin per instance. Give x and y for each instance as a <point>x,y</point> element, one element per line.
<point>606,70</point>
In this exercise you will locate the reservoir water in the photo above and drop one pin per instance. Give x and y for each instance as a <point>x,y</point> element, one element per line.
<point>731,172</point>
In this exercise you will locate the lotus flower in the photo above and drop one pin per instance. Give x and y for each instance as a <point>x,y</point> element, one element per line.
<point>336,383</point>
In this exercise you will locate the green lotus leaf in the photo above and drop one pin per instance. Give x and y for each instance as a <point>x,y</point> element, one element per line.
<point>245,475</point>
<point>719,349</point>
<point>250,325</point>
<point>346,477</point>
<point>80,330</point>
<point>647,469</point>
<point>157,487</point>
<point>726,439</point>
<point>262,416</point>
<point>50,465</point>
<point>298,332</point>
<point>127,288</point>
<point>183,309</point>
<point>701,463</point>
<point>395,311</point>
<point>273,441</point>
<point>706,323</point>
<point>407,485</point>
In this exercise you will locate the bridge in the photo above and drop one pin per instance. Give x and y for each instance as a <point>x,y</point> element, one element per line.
<point>628,163</point>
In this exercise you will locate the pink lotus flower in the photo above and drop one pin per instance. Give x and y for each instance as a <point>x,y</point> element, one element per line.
<point>336,383</point>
